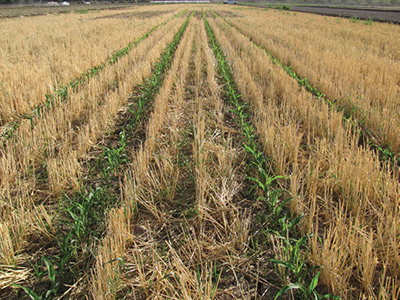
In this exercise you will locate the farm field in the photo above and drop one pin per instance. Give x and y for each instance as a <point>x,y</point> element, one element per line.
<point>16,10</point>
<point>356,12</point>
<point>381,14</point>
<point>199,152</point>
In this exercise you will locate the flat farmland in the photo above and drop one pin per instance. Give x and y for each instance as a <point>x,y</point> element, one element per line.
<point>26,10</point>
<point>199,152</point>
<point>385,14</point>
<point>357,13</point>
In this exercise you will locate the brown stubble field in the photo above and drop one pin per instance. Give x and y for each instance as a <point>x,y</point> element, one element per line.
<point>26,10</point>
<point>169,152</point>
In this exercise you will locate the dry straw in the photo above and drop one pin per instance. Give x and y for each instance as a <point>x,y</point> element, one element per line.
<point>343,189</point>
<point>41,53</point>
<point>60,139</point>
<point>354,63</point>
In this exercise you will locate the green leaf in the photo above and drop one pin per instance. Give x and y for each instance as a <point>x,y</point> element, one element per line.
<point>314,282</point>
<point>284,263</point>
<point>260,184</point>
<point>287,288</point>
<point>295,221</point>
<point>31,293</point>
<point>113,260</point>
<point>308,271</point>
<point>272,179</point>
<point>50,271</point>
<point>329,296</point>
<point>249,150</point>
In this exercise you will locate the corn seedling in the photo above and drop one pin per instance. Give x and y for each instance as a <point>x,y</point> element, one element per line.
<point>85,213</point>
<point>297,258</point>
<point>199,163</point>
<point>351,111</point>
<point>62,91</point>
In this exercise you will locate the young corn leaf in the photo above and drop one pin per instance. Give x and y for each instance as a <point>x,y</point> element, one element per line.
<point>304,274</point>
<point>50,271</point>
<point>295,221</point>
<point>314,283</point>
<point>330,296</point>
<point>287,288</point>
<point>30,292</point>
<point>281,206</point>
<point>286,264</point>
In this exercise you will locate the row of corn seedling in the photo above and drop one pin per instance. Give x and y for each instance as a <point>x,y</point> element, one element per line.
<point>83,222</point>
<point>61,92</point>
<point>278,218</point>
<point>385,152</point>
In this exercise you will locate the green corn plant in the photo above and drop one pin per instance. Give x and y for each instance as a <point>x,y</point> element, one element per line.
<point>369,22</point>
<point>37,269</point>
<point>29,292</point>
<point>61,92</point>
<point>80,214</point>
<point>295,260</point>
<point>113,158</point>
<point>306,293</point>
<point>68,250</point>
<point>354,20</point>
<point>88,208</point>
<point>295,264</point>
<point>52,277</point>
<point>285,224</point>
<point>54,284</point>
<point>303,81</point>
<point>386,154</point>
<point>276,206</point>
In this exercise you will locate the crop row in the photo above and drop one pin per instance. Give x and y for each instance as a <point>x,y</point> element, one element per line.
<point>85,221</point>
<point>293,263</point>
<point>218,176</point>
<point>124,219</point>
<point>61,92</point>
<point>356,68</point>
<point>183,191</point>
<point>54,49</point>
<point>338,185</point>
<point>350,113</point>
<point>30,194</point>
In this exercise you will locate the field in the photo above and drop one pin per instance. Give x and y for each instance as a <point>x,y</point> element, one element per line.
<point>356,12</point>
<point>199,152</point>
<point>17,11</point>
